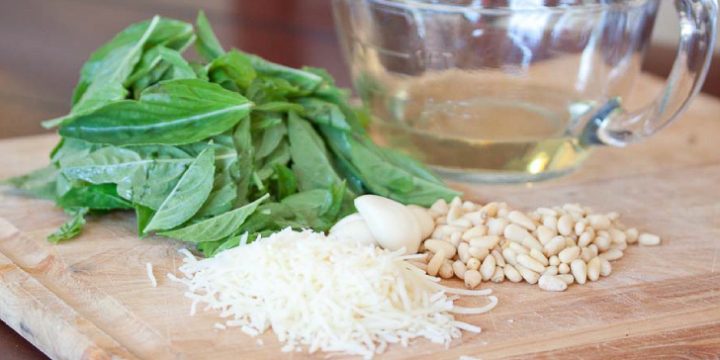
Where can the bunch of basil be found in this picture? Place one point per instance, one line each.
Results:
(206, 152)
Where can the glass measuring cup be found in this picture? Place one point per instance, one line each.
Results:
(514, 90)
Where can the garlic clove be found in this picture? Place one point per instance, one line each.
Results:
(392, 224)
(353, 228)
(424, 220)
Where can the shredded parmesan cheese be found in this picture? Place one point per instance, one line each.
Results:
(326, 294)
(151, 276)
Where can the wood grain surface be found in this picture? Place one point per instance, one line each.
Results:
(90, 298)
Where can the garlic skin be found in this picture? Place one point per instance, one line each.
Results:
(424, 220)
(353, 228)
(393, 225)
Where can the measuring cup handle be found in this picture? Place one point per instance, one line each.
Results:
(698, 29)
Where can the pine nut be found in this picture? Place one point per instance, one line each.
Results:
(566, 278)
(617, 236)
(434, 265)
(476, 217)
(570, 242)
(438, 246)
(454, 214)
(521, 219)
(530, 276)
(586, 237)
(551, 222)
(586, 254)
(515, 233)
(556, 245)
(498, 275)
(487, 269)
(551, 283)
(534, 216)
(613, 216)
(569, 254)
(565, 225)
(599, 222)
(546, 212)
(550, 270)
(632, 235)
(532, 243)
(612, 254)
(480, 253)
(499, 260)
(496, 226)
(464, 224)
(519, 249)
(537, 255)
(456, 202)
(603, 243)
(463, 252)
(510, 256)
(544, 234)
(530, 263)
(580, 227)
(512, 274)
(444, 231)
(564, 268)
(472, 279)
(574, 208)
(620, 246)
(468, 206)
(647, 239)
(579, 271)
(605, 267)
(490, 209)
(487, 241)
(594, 249)
(503, 212)
(473, 264)
(475, 231)
(459, 269)
(593, 269)
(554, 261)
(440, 207)
(454, 239)
(446, 270)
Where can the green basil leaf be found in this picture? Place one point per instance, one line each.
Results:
(325, 113)
(40, 183)
(175, 112)
(232, 66)
(107, 83)
(286, 181)
(217, 227)
(94, 197)
(207, 44)
(280, 106)
(143, 215)
(311, 161)
(188, 195)
(243, 169)
(307, 82)
(71, 228)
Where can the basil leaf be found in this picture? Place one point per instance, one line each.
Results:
(143, 216)
(286, 181)
(307, 82)
(188, 195)
(243, 169)
(40, 183)
(311, 162)
(71, 228)
(175, 112)
(107, 83)
(94, 197)
(324, 113)
(207, 44)
(217, 227)
(232, 66)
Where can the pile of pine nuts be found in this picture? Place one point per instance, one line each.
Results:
(551, 247)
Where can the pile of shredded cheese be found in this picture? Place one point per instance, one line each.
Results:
(326, 294)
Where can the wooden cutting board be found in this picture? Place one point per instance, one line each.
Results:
(90, 298)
